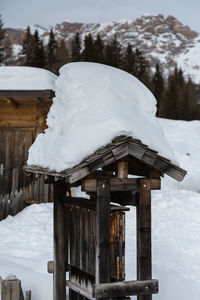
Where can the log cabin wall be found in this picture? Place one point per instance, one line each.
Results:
(21, 120)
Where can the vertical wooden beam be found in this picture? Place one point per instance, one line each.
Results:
(15, 179)
(59, 242)
(122, 169)
(11, 289)
(144, 264)
(102, 274)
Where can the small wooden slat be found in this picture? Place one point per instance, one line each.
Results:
(79, 289)
(176, 173)
(103, 231)
(50, 267)
(135, 150)
(149, 157)
(125, 288)
(120, 151)
(78, 175)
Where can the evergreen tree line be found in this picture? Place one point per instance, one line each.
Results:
(176, 96)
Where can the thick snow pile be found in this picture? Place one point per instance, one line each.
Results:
(26, 78)
(26, 247)
(95, 103)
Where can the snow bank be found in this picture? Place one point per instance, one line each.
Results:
(26, 78)
(26, 247)
(184, 138)
(95, 103)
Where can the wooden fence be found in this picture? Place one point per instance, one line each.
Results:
(11, 290)
(17, 200)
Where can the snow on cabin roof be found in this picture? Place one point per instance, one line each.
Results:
(95, 103)
(26, 78)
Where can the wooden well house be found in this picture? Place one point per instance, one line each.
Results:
(22, 117)
(89, 234)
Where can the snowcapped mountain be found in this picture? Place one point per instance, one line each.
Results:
(163, 39)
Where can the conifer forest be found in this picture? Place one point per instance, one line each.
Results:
(176, 96)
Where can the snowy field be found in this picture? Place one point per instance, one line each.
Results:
(26, 239)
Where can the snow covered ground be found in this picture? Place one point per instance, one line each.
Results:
(26, 239)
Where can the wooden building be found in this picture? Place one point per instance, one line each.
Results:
(89, 233)
(22, 116)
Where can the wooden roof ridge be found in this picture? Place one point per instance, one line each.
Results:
(120, 147)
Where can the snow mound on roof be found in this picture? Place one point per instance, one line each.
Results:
(95, 103)
(26, 78)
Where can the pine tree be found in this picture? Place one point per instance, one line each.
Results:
(158, 88)
(51, 51)
(88, 51)
(113, 55)
(98, 50)
(62, 56)
(38, 52)
(76, 48)
(128, 64)
(8, 52)
(27, 48)
(2, 35)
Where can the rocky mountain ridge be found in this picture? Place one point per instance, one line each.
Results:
(163, 39)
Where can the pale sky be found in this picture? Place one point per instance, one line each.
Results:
(21, 13)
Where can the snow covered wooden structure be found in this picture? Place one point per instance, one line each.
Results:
(84, 248)
(25, 99)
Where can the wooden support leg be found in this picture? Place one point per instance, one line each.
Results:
(59, 242)
(103, 232)
(144, 265)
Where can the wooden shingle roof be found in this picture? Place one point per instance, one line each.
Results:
(119, 148)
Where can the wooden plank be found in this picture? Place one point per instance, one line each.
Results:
(143, 214)
(27, 93)
(175, 172)
(120, 151)
(79, 289)
(59, 242)
(28, 295)
(155, 184)
(103, 231)
(125, 288)
(15, 179)
(136, 150)
(116, 184)
(11, 289)
(78, 174)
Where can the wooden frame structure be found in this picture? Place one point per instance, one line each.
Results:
(104, 176)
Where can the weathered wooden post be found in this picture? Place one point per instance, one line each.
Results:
(11, 289)
(103, 231)
(59, 274)
(143, 214)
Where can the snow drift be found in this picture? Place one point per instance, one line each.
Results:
(95, 103)
(26, 78)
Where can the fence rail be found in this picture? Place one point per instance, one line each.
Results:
(14, 202)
